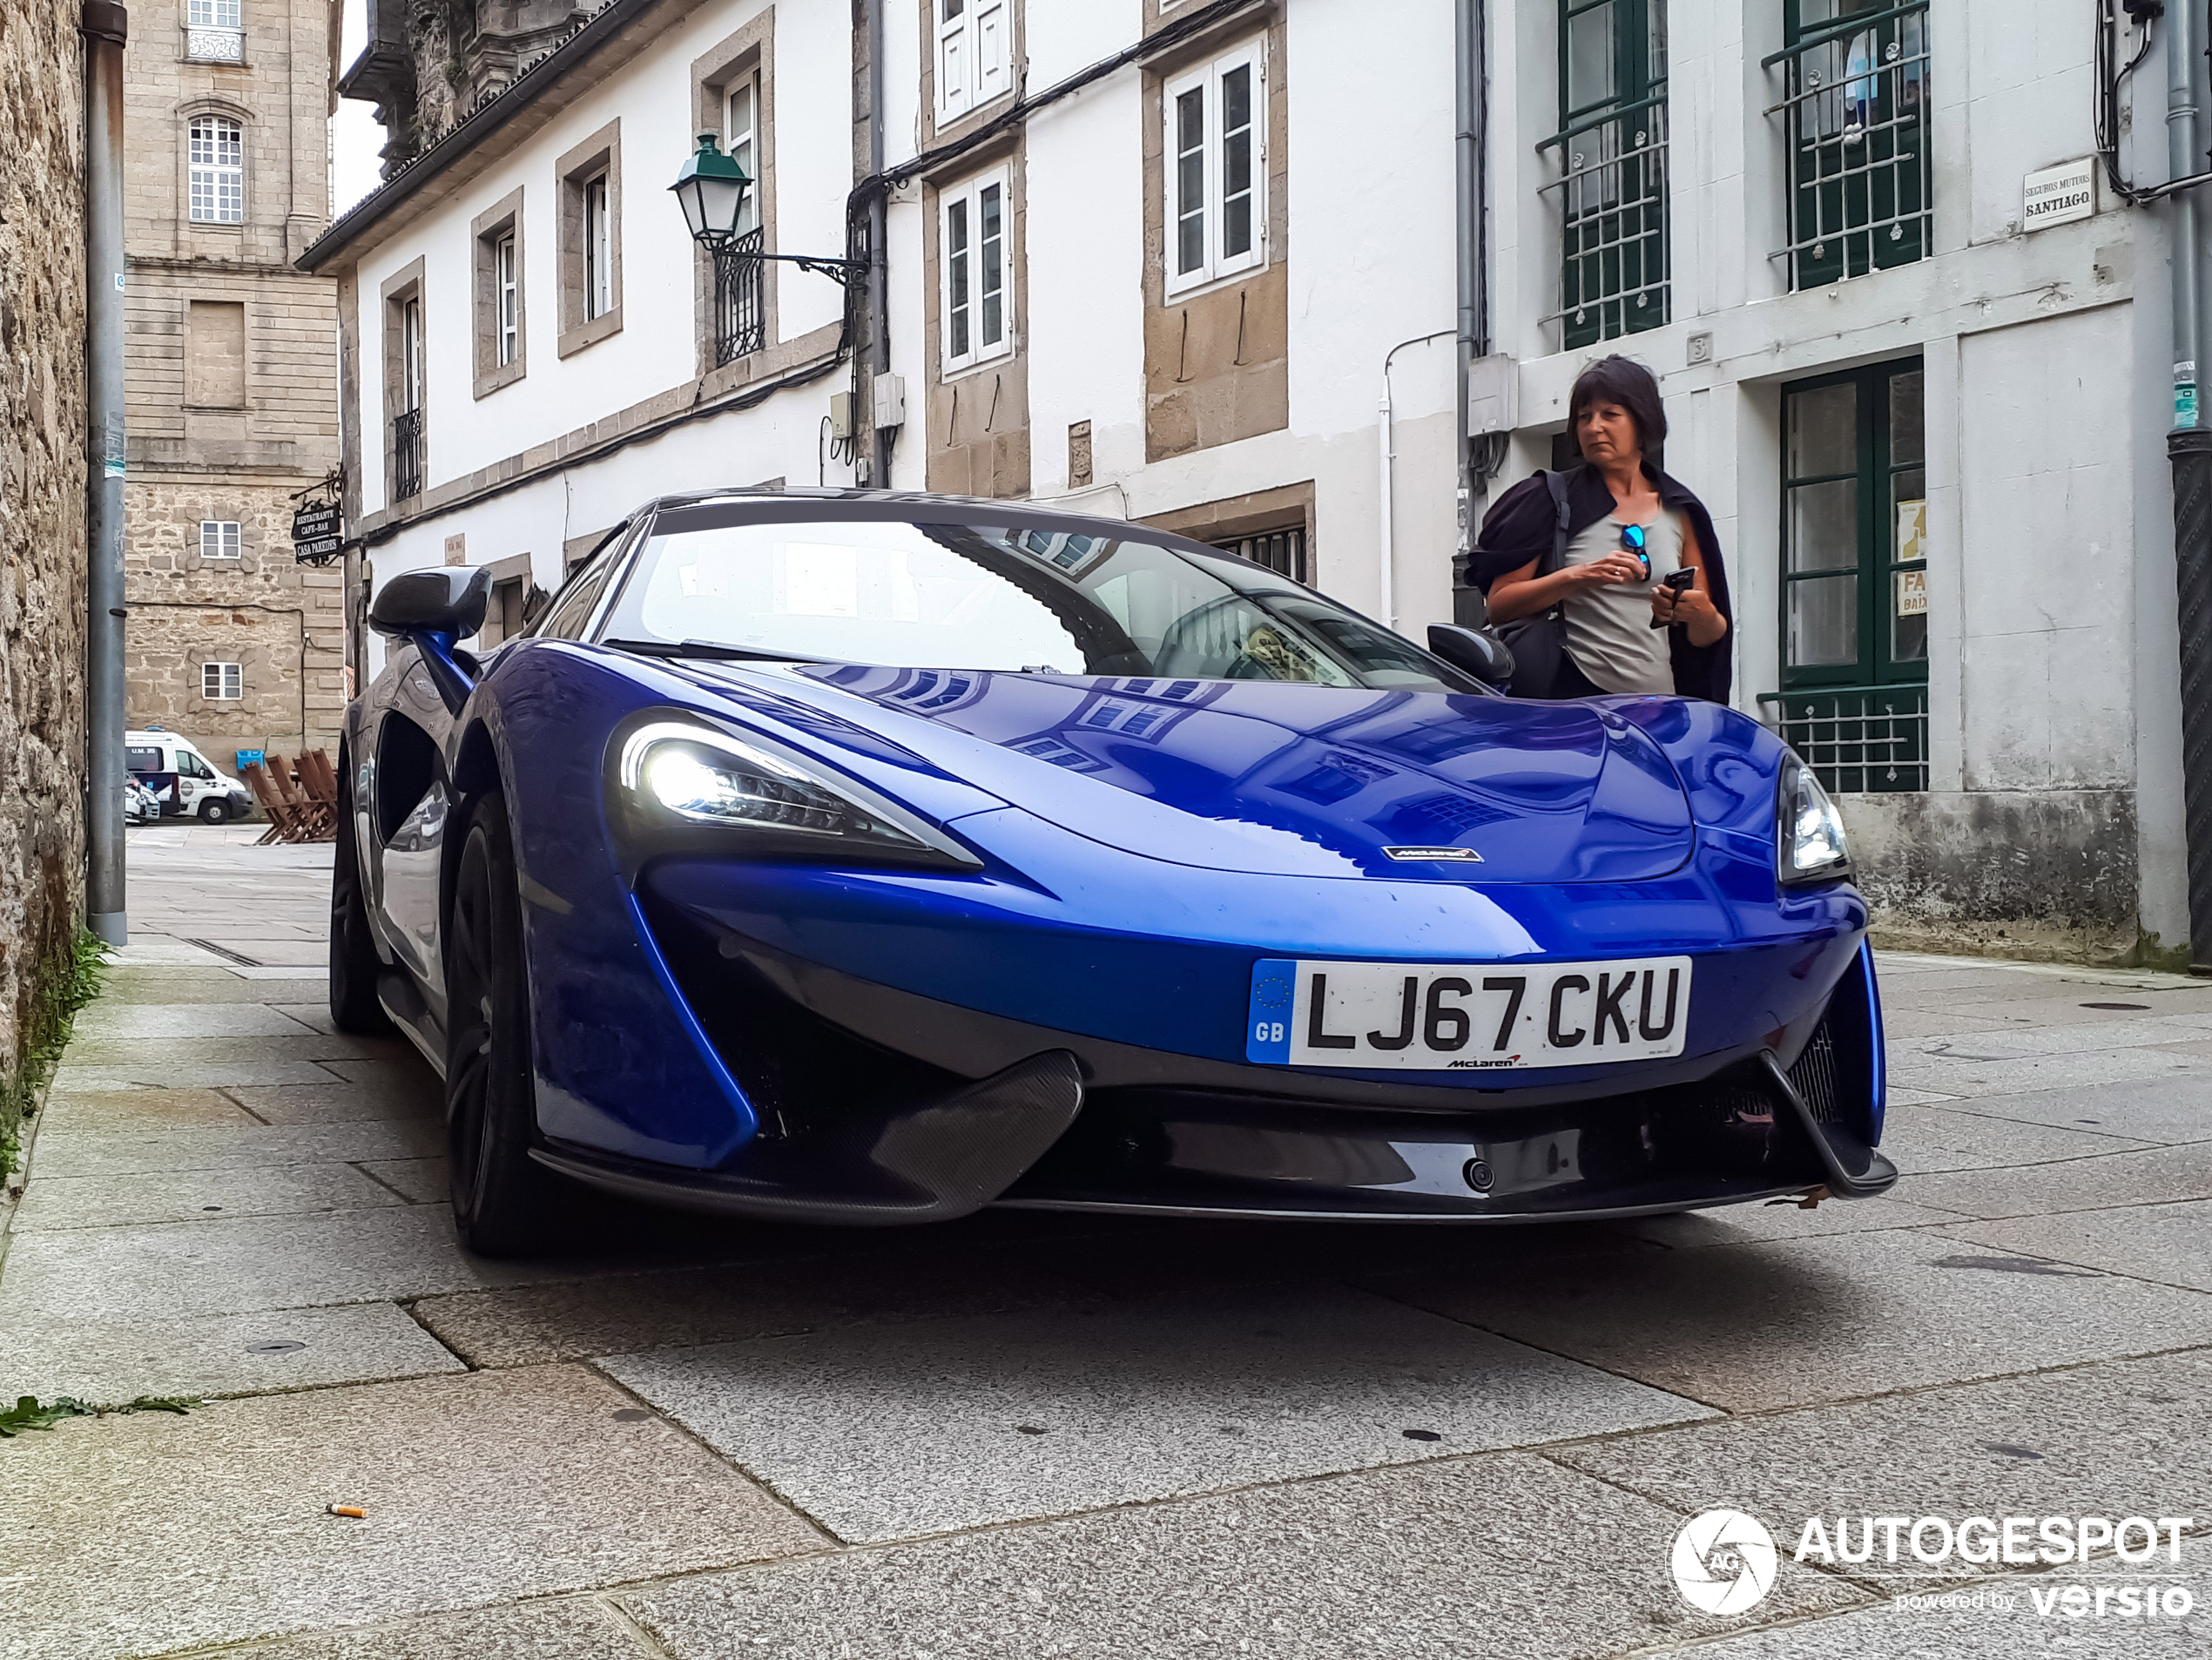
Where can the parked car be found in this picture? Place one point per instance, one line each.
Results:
(871, 859)
(139, 804)
(182, 779)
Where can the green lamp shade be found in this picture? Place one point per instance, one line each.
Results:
(711, 187)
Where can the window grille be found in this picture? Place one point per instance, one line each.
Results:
(224, 682)
(407, 455)
(1615, 262)
(1856, 110)
(1858, 739)
(1281, 552)
(217, 170)
(740, 327)
(219, 539)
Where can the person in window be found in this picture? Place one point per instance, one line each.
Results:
(1629, 525)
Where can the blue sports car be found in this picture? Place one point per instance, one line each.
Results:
(869, 858)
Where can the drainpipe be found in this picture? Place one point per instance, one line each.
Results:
(106, 26)
(1469, 44)
(2188, 445)
(878, 263)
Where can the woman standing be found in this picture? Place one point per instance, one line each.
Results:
(1628, 526)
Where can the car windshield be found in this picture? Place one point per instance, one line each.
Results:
(1004, 596)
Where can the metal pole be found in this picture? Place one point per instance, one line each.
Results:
(879, 265)
(2188, 445)
(106, 26)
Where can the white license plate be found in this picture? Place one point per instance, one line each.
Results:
(1467, 1016)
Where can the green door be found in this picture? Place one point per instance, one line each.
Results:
(1854, 580)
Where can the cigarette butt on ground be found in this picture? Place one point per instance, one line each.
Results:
(347, 1510)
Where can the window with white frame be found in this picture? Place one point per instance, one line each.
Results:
(975, 270)
(505, 301)
(214, 32)
(224, 682)
(219, 539)
(217, 170)
(598, 250)
(1217, 173)
(741, 143)
(973, 50)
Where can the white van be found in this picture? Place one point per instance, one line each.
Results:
(183, 780)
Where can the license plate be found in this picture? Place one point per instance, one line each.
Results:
(1468, 1017)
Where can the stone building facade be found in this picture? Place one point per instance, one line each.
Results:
(42, 503)
(233, 367)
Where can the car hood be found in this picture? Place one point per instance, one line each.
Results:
(1275, 778)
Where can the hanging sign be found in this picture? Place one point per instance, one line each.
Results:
(318, 533)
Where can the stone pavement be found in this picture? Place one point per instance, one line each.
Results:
(1025, 1436)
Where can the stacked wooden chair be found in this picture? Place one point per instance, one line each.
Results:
(302, 799)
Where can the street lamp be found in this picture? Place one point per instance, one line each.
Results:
(711, 187)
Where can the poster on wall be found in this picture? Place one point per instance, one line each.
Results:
(1912, 531)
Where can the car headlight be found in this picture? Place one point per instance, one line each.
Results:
(678, 775)
(1812, 845)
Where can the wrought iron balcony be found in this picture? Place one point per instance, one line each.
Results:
(207, 45)
(407, 455)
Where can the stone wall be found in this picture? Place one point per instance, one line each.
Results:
(41, 500)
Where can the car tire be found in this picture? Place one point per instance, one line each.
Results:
(504, 1204)
(214, 810)
(354, 964)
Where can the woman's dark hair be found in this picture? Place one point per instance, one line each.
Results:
(1622, 381)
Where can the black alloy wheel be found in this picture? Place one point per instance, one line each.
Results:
(354, 964)
(504, 1204)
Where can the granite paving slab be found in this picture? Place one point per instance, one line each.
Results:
(2015, 1076)
(1906, 1022)
(152, 1533)
(528, 1326)
(198, 986)
(113, 1111)
(1474, 1557)
(1791, 1323)
(1926, 1140)
(570, 1628)
(67, 1149)
(150, 1057)
(882, 1431)
(406, 1090)
(419, 1181)
(2122, 1438)
(225, 1355)
(315, 1014)
(2158, 1176)
(109, 1022)
(65, 1202)
(175, 1269)
(2111, 1031)
(2171, 1243)
(2170, 1110)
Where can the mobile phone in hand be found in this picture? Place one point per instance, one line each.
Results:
(1680, 582)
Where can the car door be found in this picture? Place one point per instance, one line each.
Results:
(409, 817)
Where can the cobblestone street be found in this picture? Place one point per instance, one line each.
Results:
(1028, 1435)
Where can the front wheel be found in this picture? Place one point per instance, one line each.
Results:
(214, 810)
(504, 1204)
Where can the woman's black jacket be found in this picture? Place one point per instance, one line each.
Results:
(1520, 530)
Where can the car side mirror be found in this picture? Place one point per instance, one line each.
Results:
(1479, 651)
(442, 600)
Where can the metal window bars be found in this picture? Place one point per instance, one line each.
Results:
(1861, 192)
(407, 455)
(740, 317)
(1281, 552)
(1616, 272)
(1860, 740)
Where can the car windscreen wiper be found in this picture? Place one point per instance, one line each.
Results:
(709, 649)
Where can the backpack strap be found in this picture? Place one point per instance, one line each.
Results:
(1556, 559)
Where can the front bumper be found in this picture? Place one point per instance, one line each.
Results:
(849, 1078)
